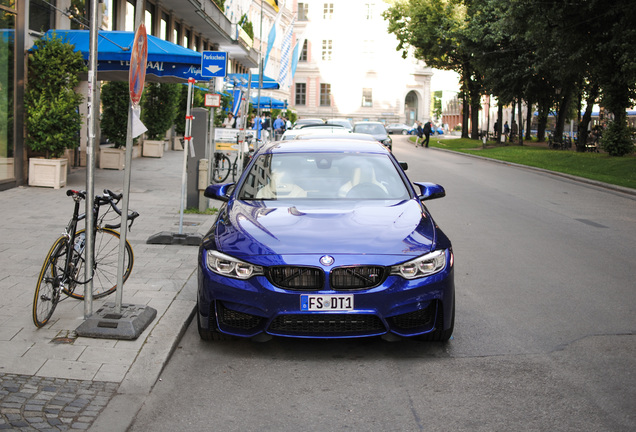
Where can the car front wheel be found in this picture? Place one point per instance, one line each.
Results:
(439, 334)
(213, 334)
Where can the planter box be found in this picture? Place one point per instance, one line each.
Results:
(153, 148)
(47, 172)
(7, 168)
(112, 158)
(176, 143)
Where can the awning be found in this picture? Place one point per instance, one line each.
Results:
(167, 62)
(240, 80)
(268, 102)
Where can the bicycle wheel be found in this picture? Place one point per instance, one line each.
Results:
(221, 169)
(104, 266)
(47, 292)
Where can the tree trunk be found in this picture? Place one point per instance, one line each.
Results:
(465, 113)
(542, 119)
(584, 124)
(529, 122)
(563, 109)
(519, 107)
(499, 120)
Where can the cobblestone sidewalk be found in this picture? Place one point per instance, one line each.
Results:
(32, 403)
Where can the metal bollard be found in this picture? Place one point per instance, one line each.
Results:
(203, 184)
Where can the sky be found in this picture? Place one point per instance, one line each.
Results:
(444, 80)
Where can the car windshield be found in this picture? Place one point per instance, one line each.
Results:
(369, 128)
(347, 176)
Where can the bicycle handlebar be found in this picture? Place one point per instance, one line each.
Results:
(109, 197)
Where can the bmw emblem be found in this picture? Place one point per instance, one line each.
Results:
(326, 260)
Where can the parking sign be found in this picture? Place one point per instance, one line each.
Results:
(213, 64)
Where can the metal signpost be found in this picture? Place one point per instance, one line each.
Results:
(112, 321)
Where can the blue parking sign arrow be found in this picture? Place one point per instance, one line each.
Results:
(213, 64)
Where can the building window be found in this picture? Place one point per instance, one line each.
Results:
(130, 17)
(327, 13)
(108, 15)
(7, 53)
(367, 97)
(325, 94)
(149, 18)
(304, 52)
(301, 94)
(303, 12)
(163, 26)
(41, 16)
(327, 47)
(368, 48)
(176, 33)
(368, 9)
(186, 39)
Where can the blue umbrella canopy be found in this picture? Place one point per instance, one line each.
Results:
(167, 62)
(268, 102)
(240, 80)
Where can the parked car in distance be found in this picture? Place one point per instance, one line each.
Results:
(400, 128)
(376, 129)
(325, 239)
(311, 129)
(301, 122)
(343, 122)
(336, 134)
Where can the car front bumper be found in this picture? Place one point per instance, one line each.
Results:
(249, 308)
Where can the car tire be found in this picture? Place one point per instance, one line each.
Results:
(212, 334)
(439, 334)
(404, 132)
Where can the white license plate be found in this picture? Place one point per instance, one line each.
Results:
(326, 302)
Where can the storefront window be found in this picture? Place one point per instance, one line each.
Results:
(7, 50)
(41, 15)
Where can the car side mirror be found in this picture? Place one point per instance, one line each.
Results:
(429, 191)
(220, 192)
(404, 165)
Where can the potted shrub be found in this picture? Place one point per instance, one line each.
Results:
(53, 120)
(159, 109)
(115, 98)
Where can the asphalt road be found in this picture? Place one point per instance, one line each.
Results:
(544, 332)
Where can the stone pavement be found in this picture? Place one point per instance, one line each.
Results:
(50, 379)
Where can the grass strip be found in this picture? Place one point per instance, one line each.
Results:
(619, 171)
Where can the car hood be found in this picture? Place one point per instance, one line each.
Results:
(248, 228)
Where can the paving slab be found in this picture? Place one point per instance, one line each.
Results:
(51, 379)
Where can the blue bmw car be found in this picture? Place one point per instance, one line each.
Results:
(325, 239)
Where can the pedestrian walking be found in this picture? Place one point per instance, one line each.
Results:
(279, 127)
(420, 133)
(427, 133)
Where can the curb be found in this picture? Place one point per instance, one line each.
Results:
(122, 409)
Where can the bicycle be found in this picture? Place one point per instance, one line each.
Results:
(223, 166)
(63, 269)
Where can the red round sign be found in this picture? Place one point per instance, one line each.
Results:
(138, 58)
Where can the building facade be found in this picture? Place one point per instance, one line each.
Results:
(349, 66)
(199, 26)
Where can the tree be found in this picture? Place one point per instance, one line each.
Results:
(436, 32)
(159, 108)
(115, 97)
(53, 120)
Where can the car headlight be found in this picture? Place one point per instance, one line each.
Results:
(425, 265)
(226, 265)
